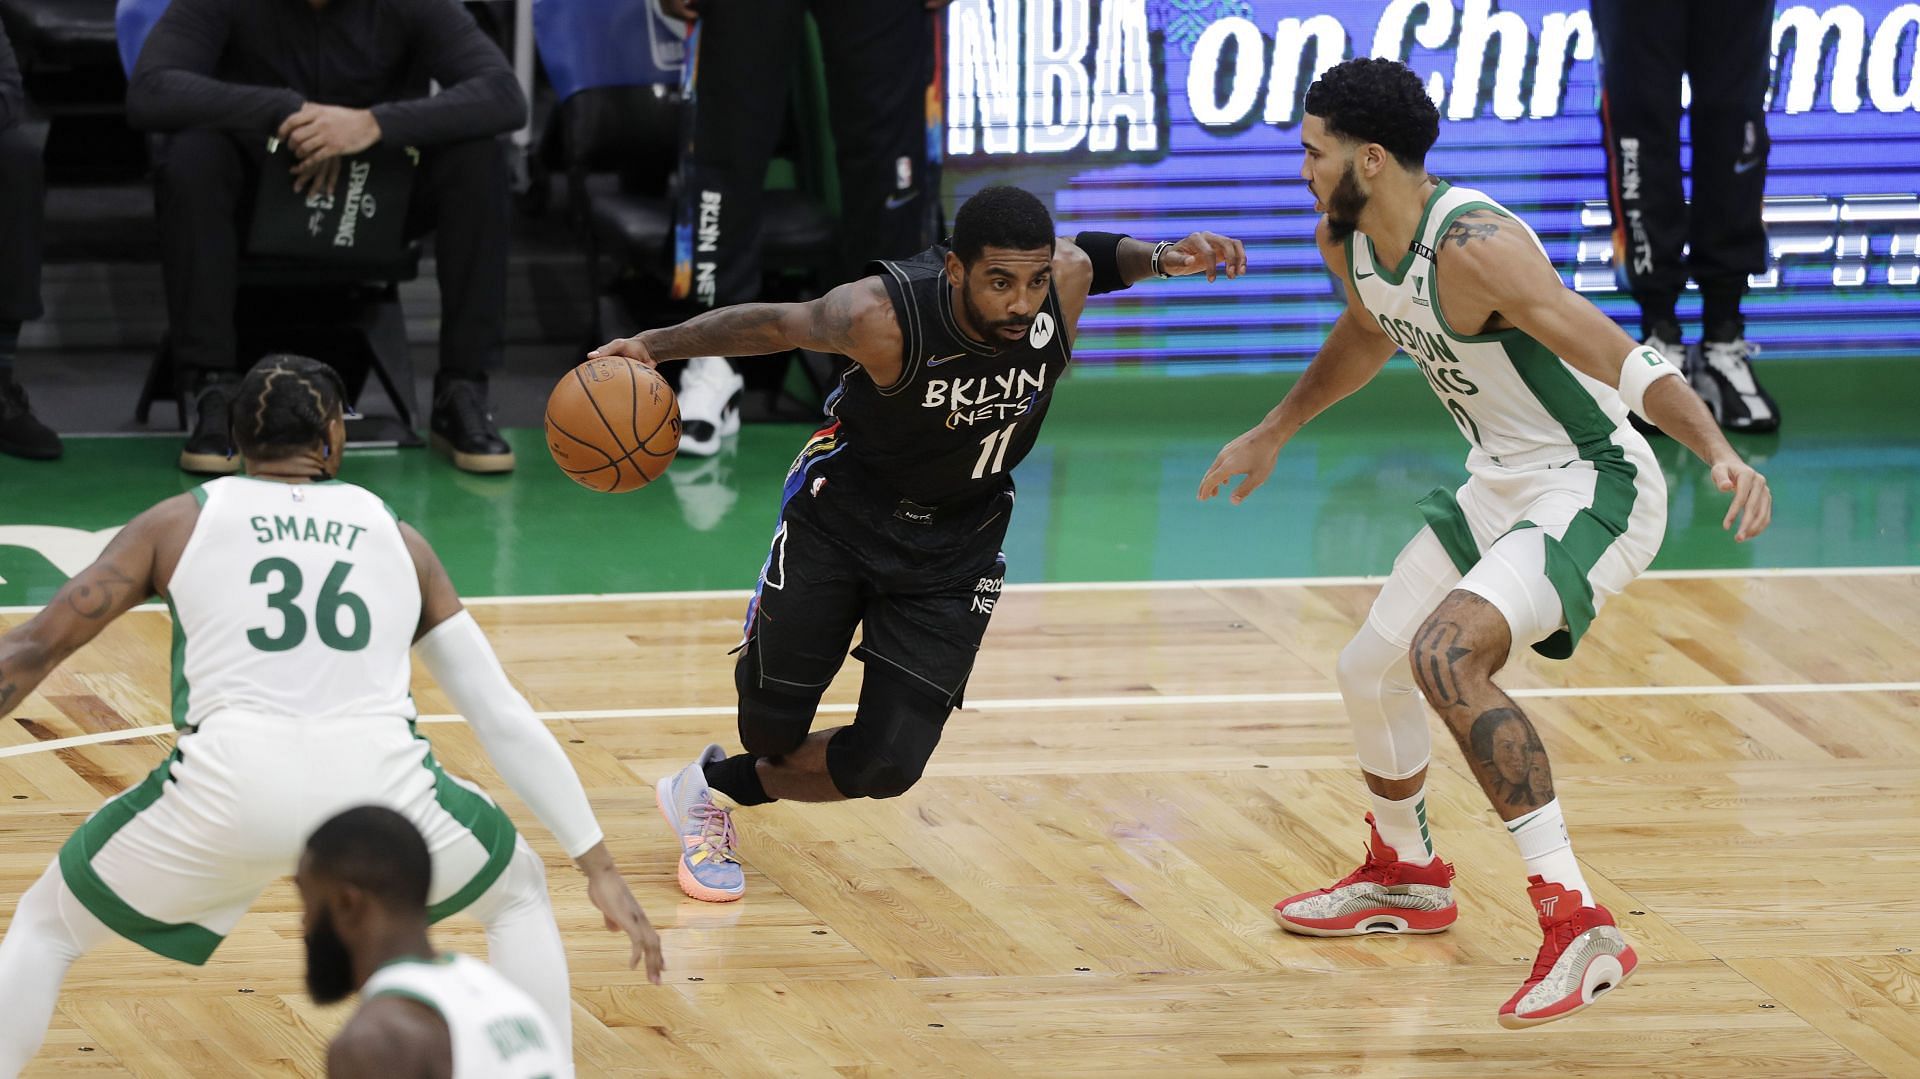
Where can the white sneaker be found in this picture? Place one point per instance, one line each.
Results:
(1674, 351)
(710, 391)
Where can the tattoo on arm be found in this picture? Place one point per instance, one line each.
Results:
(748, 329)
(1473, 225)
(1437, 652)
(832, 321)
(94, 599)
(7, 693)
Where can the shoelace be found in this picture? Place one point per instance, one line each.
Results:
(1720, 353)
(1552, 948)
(1372, 869)
(716, 830)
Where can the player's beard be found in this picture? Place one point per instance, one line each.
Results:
(329, 964)
(989, 329)
(1344, 205)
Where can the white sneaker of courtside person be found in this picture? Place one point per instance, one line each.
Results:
(710, 391)
(708, 869)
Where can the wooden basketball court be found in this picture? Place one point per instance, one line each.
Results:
(1082, 883)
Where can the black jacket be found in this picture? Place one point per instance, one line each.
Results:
(246, 65)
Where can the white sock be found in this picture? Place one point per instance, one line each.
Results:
(1542, 838)
(1403, 825)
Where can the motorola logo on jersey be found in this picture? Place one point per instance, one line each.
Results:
(988, 399)
(1042, 330)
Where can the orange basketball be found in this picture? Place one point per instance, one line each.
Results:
(613, 424)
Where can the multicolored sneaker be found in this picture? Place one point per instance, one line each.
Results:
(1583, 957)
(1384, 895)
(709, 870)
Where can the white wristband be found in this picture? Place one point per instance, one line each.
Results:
(1642, 368)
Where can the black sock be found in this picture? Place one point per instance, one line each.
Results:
(9, 344)
(737, 778)
(1720, 311)
(1657, 318)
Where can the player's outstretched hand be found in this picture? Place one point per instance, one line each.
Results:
(1208, 253)
(1752, 501)
(630, 347)
(1251, 455)
(608, 892)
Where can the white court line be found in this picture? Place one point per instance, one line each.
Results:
(1034, 704)
(1137, 586)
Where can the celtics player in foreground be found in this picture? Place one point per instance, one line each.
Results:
(363, 883)
(893, 514)
(296, 599)
(1563, 506)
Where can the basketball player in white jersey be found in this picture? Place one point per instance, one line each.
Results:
(296, 599)
(1563, 506)
(423, 1014)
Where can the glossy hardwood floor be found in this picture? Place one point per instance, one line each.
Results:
(1082, 883)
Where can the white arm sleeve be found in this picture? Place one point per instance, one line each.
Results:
(1642, 368)
(521, 748)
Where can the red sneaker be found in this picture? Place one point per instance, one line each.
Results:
(1583, 957)
(1384, 895)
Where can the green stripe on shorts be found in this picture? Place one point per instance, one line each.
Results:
(488, 823)
(186, 942)
(1449, 524)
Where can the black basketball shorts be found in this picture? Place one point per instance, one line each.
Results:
(920, 582)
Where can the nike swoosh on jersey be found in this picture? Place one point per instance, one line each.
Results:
(1741, 168)
(1361, 276)
(894, 202)
(931, 362)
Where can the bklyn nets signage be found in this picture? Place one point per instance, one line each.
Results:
(1052, 76)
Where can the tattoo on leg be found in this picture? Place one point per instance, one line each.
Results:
(1512, 763)
(1437, 651)
(93, 598)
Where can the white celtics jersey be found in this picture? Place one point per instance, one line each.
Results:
(1511, 396)
(497, 1030)
(292, 599)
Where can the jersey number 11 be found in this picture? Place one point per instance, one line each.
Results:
(993, 449)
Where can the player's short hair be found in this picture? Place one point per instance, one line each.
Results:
(376, 850)
(1000, 216)
(1381, 101)
(284, 406)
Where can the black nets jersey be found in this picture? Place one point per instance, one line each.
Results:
(962, 414)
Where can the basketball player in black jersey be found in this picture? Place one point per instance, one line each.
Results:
(893, 513)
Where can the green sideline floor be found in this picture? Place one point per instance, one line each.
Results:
(1107, 496)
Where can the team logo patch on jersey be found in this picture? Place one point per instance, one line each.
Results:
(1042, 330)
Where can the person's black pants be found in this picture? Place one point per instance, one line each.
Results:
(23, 196)
(461, 194)
(878, 61)
(1722, 46)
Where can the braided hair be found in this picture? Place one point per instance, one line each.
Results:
(284, 406)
